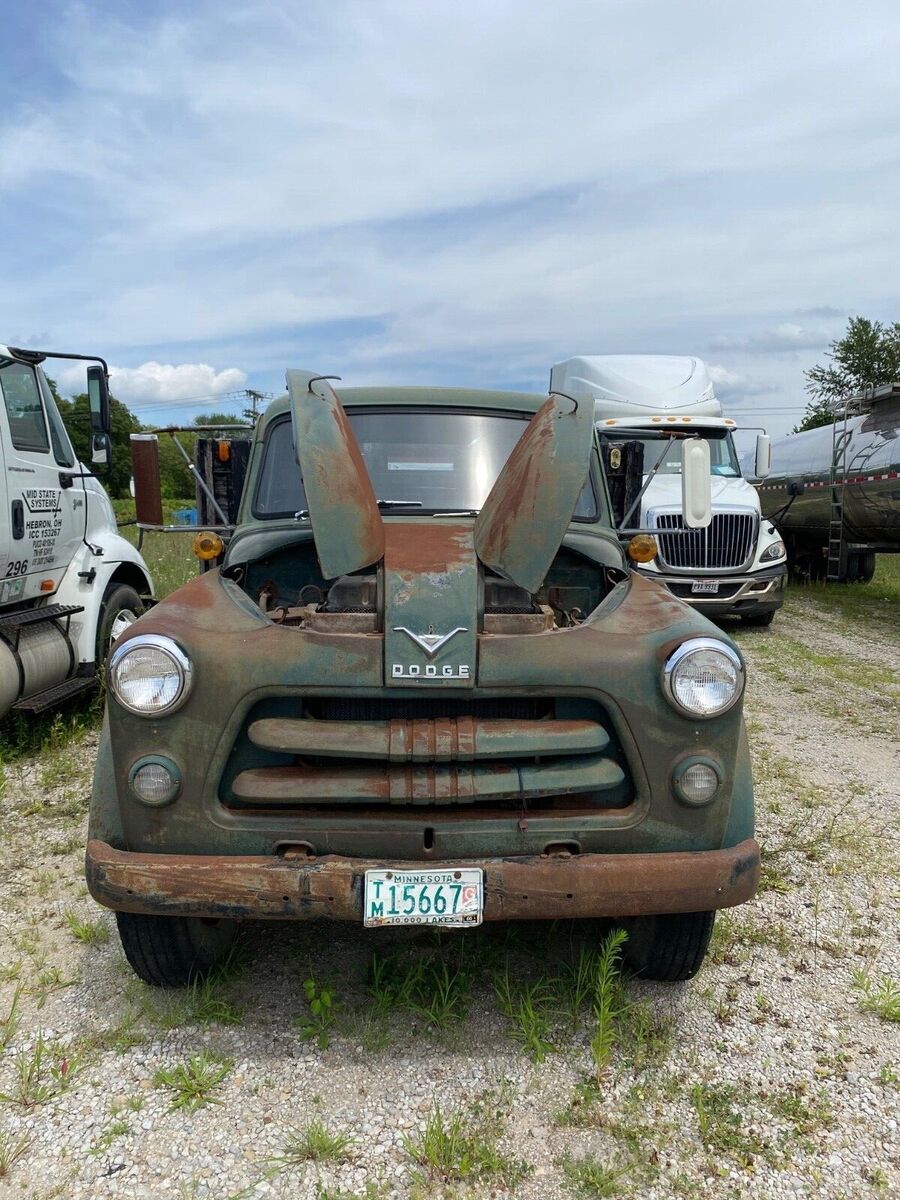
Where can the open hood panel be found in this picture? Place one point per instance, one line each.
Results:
(528, 510)
(346, 523)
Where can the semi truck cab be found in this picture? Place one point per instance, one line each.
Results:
(738, 564)
(421, 686)
(69, 583)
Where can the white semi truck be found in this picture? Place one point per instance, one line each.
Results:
(737, 564)
(69, 582)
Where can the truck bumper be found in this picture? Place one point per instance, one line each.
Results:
(760, 592)
(530, 888)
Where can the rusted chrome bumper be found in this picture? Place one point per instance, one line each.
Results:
(543, 886)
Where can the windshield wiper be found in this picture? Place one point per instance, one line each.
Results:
(303, 514)
(458, 512)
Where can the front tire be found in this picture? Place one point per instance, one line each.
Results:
(174, 951)
(121, 607)
(670, 947)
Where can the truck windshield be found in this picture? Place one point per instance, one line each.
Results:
(722, 458)
(441, 460)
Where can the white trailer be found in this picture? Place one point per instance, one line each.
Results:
(69, 582)
(737, 564)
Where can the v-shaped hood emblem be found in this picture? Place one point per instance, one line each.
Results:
(430, 642)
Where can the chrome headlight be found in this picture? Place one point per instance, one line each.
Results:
(773, 552)
(150, 675)
(703, 678)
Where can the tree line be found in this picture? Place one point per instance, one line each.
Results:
(175, 479)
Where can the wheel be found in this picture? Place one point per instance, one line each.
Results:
(121, 607)
(670, 947)
(758, 620)
(173, 951)
(864, 566)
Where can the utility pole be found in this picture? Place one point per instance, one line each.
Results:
(255, 399)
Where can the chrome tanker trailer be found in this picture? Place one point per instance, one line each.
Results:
(834, 492)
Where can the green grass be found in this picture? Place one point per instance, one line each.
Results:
(12, 1147)
(435, 986)
(10, 1022)
(41, 1073)
(876, 601)
(590, 1178)
(315, 1143)
(881, 998)
(89, 933)
(194, 1082)
(528, 1010)
(723, 1124)
(461, 1148)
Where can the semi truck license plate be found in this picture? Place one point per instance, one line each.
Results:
(424, 897)
(709, 587)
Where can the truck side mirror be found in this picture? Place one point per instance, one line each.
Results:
(696, 486)
(101, 450)
(98, 398)
(763, 464)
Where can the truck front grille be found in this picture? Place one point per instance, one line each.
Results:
(726, 543)
(364, 755)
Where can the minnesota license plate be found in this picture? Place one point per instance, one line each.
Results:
(705, 587)
(424, 897)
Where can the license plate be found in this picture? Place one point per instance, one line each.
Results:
(705, 587)
(424, 897)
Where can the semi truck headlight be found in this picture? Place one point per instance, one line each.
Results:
(150, 675)
(773, 552)
(703, 678)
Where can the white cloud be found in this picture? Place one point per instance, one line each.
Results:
(154, 382)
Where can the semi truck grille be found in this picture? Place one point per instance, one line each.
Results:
(364, 755)
(727, 542)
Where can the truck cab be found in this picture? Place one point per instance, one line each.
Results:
(738, 564)
(421, 687)
(69, 583)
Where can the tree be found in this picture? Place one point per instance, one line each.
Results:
(218, 418)
(76, 415)
(867, 355)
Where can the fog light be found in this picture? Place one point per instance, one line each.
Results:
(155, 781)
(208, 546)
(696, 782)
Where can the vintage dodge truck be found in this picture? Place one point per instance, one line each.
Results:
(422, 687)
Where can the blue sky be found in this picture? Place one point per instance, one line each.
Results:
(447, 193)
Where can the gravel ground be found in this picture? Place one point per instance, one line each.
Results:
(772, 1074)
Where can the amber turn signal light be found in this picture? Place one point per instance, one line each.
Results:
(642, 548)
(208, 546)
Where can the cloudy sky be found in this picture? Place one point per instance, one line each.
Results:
(446, 192)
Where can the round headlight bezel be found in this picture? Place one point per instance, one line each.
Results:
(678, 656)
(164, 645)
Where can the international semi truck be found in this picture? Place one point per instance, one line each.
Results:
(737, 565)
(70, 584)
(420, 685)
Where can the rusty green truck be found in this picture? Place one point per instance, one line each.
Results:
(422, 686)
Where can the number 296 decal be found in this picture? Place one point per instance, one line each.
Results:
(16, 568)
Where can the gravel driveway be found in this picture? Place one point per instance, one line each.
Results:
(464, 1066)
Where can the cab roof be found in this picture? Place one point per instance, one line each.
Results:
(418, 397)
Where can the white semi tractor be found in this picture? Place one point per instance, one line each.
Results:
(69, 582)
(737, 564)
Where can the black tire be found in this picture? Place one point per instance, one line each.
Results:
(174, 951)
(758, 620)
(669, 948)
(118, 599)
